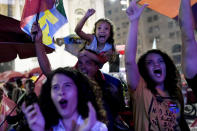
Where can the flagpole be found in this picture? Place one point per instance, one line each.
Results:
(35, 32)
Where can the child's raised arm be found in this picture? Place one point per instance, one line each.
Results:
(132, 72)
(78, 28)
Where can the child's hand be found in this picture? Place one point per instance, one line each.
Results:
(133, 11)
(88, 122)
(90, 12)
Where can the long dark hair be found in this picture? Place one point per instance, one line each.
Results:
(86, 92)
(110, 40)
(172, 82)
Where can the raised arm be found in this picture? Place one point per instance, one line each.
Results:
(189, 45)
(133, 13)
(40, 50)
(78, 28)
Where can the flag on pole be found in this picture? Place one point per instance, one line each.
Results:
(51, 17)
(168, 8)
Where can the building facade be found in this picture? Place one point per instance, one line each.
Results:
(164, 30)
(153, 26)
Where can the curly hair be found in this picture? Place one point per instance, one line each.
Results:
(172, 82)
(1, 94)
(87, 91)
(110, 40)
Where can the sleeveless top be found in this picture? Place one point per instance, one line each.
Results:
(93, 46)
(98, 126)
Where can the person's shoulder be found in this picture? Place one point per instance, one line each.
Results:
(108, 76)
(94, 40)
(16, 90)
(111, 79)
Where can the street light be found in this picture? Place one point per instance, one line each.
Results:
(112, 0)
(124, 4)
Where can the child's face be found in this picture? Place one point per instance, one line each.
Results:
(102, 31)
(64, 95)
(156, 67)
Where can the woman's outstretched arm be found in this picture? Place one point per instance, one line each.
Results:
(189, 44)
(133, 13)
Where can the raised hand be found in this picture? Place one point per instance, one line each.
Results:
(90, 12)
(36, 32)
(34, 117)
(88, 122)
(133, 11)
(91, 120)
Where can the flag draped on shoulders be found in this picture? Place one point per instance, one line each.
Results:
(51, 16)
(73, 43)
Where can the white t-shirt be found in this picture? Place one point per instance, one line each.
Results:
(99, 126)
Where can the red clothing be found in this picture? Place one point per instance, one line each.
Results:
(6, 107)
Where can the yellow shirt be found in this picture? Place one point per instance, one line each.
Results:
(153, 113)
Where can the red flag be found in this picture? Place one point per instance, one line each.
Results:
(33, 7)
(120, 49)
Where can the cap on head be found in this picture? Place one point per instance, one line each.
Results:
(90, 54)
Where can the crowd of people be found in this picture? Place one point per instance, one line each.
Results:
(82, 98)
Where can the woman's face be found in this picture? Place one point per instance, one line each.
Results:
(156, 67)
(102, 31)
(64, 95)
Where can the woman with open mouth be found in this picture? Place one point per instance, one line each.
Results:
(69, 101)
(154, 82)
